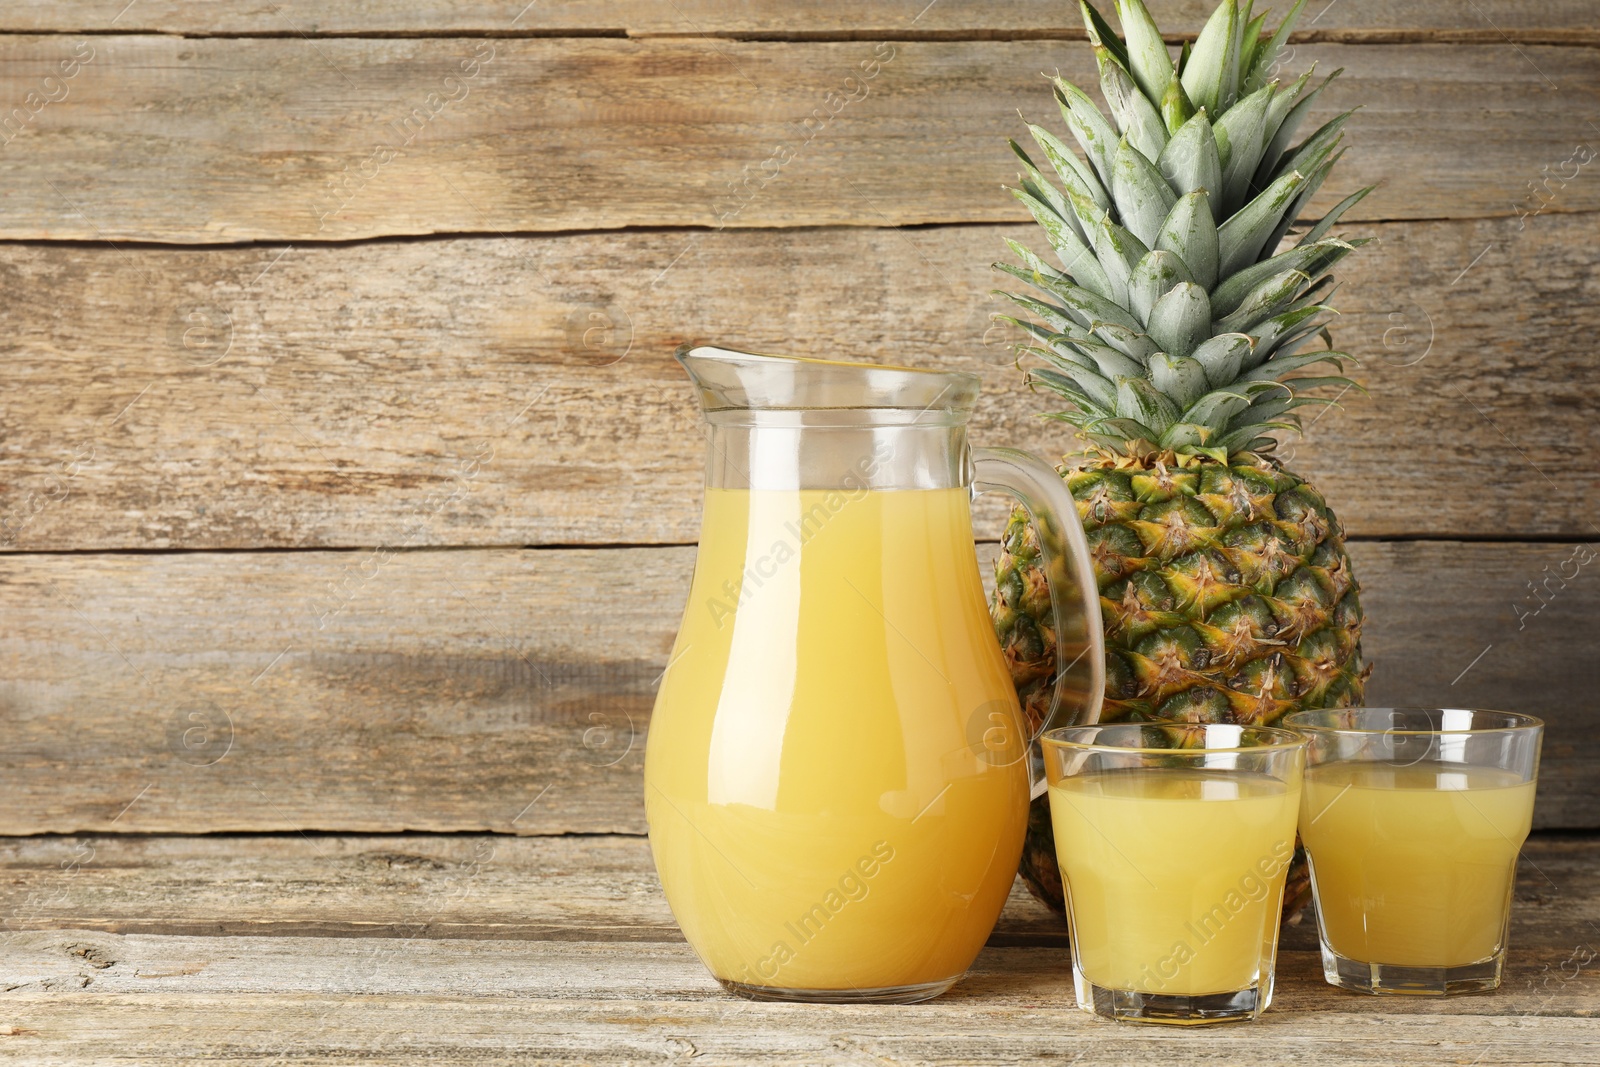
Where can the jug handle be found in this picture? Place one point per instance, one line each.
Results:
(1041, 492)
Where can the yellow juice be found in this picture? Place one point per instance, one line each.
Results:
(1174, 876)
(833, 779)
(1413, 865)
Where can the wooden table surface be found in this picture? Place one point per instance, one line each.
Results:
(409, 948)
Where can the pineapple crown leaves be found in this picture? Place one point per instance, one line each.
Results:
(1173, 325)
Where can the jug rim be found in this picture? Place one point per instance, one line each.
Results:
(732, 380)
(691, 349)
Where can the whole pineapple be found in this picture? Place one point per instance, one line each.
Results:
(1173, 331)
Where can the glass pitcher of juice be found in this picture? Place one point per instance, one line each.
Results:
(838, 773)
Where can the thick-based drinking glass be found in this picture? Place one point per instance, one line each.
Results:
(1413, 818)
(1174, 841)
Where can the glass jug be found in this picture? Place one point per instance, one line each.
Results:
(838, 773)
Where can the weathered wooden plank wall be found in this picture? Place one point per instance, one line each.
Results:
(1406, 20)
(220, 140)
(212, 451)
(496, 689)
(495, 391)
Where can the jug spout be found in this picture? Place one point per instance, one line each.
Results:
(730, 382)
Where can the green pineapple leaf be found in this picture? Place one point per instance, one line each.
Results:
(1185, 437)
(1109, 362)
(1267, 52)
(1301, 199)
(1272, 297)
(1241, 238)
(1142, 196)
(1040, 188)
(1312, 152)
(1191, 162)
(1089, 128)
(1152, 278)
(1076, 257)
(1137, 399)
(1243, 127)
(1209, 76)
(1148, 59)
(1043, 333)
(1181, 320)
(1176, 107)
(1315, 234)
(1085, 305)
(1119, 431)
(1077, 176)
(1118, 251)
(1300, 385)
(1280, 365)
(1131, 343)
(1272, 158)
(1055, 316)
(1249, 41)
(1216, 408)
(1280, 330)
(1034, 264)
(1077, 388)
(1190, 232)
(1101, 35)
(1278, 109)
(1309, 259)
(1221, 357)
(1179, 377)
(1139, 120)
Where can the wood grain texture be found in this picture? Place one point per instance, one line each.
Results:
(600, 888)
(333, 691)
(412, 886)
(226, 140)
(522, 391)
(79, 991)
(511, 690)
(1565, 20)
(322, 1029)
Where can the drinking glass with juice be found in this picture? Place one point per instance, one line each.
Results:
(1413, 818)
(1174, 842)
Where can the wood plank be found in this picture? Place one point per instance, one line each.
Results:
(322, 1029)
(226, 140)
(423, 690)
(418, 887)
(522, 391)
(1564, 20)
(78, 993)
(409, 886)
(73, 963)
(510, 690)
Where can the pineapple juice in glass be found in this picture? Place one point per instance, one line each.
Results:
(1174, 841)
(1413, 818)
(837, 775)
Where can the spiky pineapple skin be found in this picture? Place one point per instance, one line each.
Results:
(1227, 597)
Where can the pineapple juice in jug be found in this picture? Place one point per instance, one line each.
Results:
(837, 793)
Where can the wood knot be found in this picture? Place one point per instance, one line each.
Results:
(93, 955)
